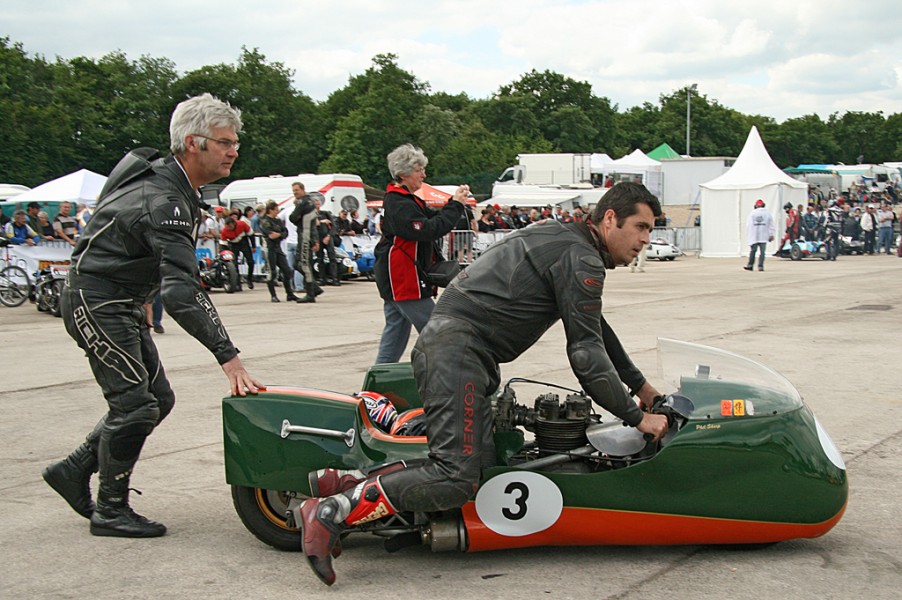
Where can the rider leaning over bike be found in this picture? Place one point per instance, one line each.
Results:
(547, 272)
(140, 239)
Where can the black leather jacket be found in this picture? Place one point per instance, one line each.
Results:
(141, 238)
(523, 284)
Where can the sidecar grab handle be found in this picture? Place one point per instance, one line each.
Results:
(348, 436)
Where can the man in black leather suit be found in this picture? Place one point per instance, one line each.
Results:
(538, 275)
(141, 238)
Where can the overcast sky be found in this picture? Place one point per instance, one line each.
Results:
(780, 58)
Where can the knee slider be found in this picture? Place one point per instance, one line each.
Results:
(166, 402)
(581, 361)
(126, 443)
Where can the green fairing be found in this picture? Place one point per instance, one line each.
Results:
(759, 469)
(257, 456)
(717, 466)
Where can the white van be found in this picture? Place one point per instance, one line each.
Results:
(338, 191)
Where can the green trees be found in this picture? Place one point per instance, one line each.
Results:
(60, 116)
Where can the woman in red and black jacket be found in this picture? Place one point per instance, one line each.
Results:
(409, 232)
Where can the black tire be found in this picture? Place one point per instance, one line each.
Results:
(795, 253)
(40, 297)
(14, 286)
(231, 283)
(670, 258)
(56, 293)
(263, 513)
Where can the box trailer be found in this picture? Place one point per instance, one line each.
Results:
(336, 190)
(557, 169)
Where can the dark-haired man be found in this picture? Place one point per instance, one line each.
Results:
(538, 275)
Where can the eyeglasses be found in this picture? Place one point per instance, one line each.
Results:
(224, 143)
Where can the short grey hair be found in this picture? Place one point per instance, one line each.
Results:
(198, 116)
(403, 160)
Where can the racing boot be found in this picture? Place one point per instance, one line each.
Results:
(333, 275)
(272, 291)
(71, 477)
(113, 517)
(328, 482)
(310, 297)
(289, 293)
(117, 519)
(322, 520)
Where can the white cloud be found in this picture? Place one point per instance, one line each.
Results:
(774, 57)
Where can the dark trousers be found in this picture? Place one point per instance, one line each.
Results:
(114, 336)
(329, 250)
(869, 239)
(244, 248)
(455, 378)
(279, 264)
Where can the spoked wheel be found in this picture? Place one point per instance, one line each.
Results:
(263, 513)
(14, 286)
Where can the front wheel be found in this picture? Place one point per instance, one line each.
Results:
(231, 278)
(263, 512)
(14, 286)
(795, 252)
(54, 300)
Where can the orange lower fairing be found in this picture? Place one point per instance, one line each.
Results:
(600, 527)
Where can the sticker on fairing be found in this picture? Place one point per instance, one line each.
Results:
(519, 503)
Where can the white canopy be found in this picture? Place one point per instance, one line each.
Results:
(81, 186)
(638, 163)
(599, 161)
(635, 162)
(727, 200)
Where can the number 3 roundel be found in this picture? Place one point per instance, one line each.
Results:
(519, 503)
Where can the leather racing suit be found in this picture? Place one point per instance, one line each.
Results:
(304, 218)
(493, 312)
(141, 238)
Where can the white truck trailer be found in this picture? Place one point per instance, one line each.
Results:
(337, 190)
(555, 169)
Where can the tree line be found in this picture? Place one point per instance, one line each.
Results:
(63, 115)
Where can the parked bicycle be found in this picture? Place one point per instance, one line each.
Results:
(14, 282)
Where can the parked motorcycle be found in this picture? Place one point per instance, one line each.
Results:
(48, 287)
(744, 462)
(220, 272)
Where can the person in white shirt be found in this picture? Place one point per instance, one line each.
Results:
(759, 230)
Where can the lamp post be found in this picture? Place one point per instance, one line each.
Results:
(692, 88)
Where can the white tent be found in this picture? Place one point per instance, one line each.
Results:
(727, 200)
(599, 161)
(81, 186)
(638, 163)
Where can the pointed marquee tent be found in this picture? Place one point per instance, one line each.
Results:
(81, 186)
(727, 200)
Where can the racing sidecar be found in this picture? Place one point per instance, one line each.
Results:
(744, 462)
(801, 248)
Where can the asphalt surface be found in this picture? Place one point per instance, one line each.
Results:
(832, 328)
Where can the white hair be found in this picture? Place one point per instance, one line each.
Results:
(403, 160)
(198, 116)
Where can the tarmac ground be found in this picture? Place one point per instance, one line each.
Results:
(832, 328)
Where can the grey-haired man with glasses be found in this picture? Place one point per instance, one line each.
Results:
(141, 240)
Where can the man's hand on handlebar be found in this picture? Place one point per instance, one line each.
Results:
(647, 395)
(653, 425)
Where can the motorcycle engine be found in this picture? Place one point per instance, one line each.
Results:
(561, 426)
